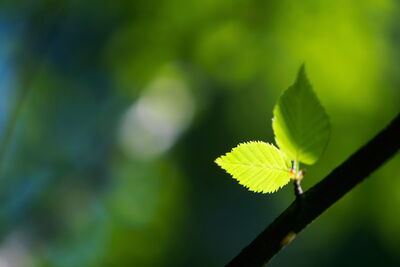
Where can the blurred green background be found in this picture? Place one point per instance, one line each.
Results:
(112, 113)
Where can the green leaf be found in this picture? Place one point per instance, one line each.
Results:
(300, 123)
(259, 166)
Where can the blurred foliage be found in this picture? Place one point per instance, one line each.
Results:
(89, 87)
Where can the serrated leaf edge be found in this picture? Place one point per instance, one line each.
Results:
(239, 181)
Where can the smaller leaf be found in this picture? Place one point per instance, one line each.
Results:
(259, 166)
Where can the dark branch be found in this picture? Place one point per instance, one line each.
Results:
(320, 197)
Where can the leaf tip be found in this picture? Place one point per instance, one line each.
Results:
(302, 75)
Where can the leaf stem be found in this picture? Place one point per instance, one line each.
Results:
(296, 166)
(297, 181)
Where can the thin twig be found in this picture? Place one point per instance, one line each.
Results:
(297, 188)
(320, 197)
